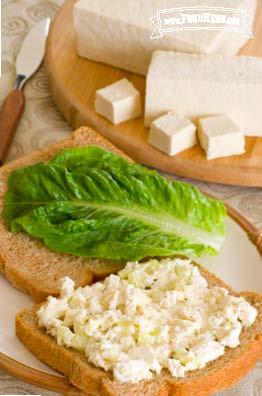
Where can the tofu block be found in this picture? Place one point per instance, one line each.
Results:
(117, 32)
(118, 102)
(197, 86)
(172, 133)
(220, 137)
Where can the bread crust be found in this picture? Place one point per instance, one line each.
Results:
(25, 261)
(217, 375)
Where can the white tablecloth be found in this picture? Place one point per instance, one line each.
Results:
(42, 124)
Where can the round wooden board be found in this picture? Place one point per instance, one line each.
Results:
(73, 82)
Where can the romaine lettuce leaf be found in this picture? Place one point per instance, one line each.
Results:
(89, 202)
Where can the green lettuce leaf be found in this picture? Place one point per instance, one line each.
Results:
(92, 203)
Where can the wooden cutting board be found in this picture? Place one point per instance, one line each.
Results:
(73, 82)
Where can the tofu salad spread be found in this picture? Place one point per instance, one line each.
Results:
(150, 316)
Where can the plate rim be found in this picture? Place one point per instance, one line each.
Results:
(62, 385)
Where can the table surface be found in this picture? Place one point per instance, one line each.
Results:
(42, 125)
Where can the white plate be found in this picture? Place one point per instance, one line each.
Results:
(238, 264)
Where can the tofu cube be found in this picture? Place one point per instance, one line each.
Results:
(118, 102)
(220, 136)
(172, 133)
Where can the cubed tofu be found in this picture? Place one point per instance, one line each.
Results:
(172, 133)
(118, 102)
(220, 137)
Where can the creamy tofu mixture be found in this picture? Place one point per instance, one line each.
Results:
(150, 316)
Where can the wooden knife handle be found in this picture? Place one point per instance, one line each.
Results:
(10, 115)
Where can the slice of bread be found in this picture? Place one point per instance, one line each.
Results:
(25, 261)
(218, 374)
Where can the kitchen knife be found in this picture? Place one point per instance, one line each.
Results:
(27, 62)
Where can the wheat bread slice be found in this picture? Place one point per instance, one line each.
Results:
(217, 375)
(25, 261)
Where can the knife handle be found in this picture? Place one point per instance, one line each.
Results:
(10, 115)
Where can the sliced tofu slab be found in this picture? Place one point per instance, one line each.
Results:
(197, 85)
(118, 32)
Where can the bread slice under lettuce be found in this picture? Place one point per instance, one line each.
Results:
(25, 261)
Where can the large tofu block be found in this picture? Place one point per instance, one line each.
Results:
(198, 85)
(117, 32)
(118, 102)
(220, 137)
(172, 133)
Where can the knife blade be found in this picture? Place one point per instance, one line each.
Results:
(27, 62)
(32, 51)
